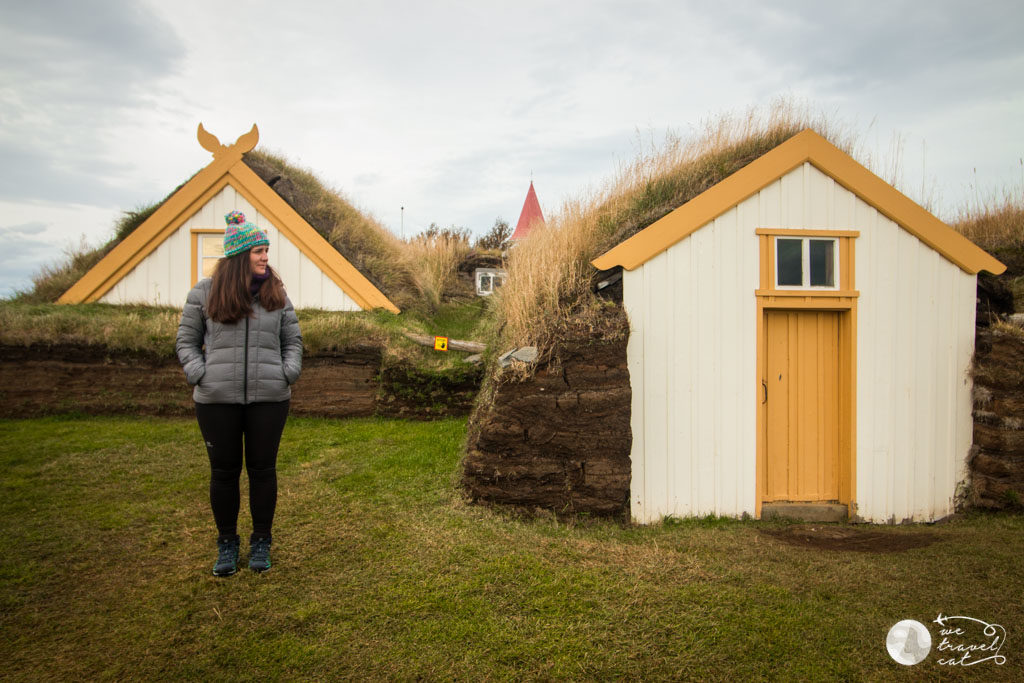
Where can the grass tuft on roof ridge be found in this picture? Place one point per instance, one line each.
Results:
(994, 224)
(361, 239)
(550, 275)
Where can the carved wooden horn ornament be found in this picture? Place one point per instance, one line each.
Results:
(212, 144)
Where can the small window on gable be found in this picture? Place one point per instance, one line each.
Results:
(211, 249)
(488, 280)
(806, 262)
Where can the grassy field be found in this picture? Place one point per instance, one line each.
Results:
(151, 329)
(382, 571)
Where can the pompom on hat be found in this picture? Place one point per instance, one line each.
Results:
(240, 235)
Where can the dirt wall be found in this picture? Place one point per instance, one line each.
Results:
(36, 380)
(414, 393)
(45, 380)
(997, 462)
(561, 439)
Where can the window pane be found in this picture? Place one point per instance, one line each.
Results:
(209, 265)
(788, 264)
(213, 246)
(822, 263)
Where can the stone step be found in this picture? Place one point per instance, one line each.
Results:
(805, 512)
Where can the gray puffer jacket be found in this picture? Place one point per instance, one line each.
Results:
(256, 359)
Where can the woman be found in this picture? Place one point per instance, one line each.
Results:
(240, 346)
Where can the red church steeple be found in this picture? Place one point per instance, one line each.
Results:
(529, 217)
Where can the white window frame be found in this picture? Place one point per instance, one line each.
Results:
(202, 257)
(493, 274)
(805, 262)
(197, 238)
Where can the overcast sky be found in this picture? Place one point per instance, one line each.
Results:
(449, 108)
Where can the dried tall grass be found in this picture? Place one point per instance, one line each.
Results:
(53, 279)
(994, 223)
(550, 272)
(121, 328)
(432, 261)
(152, 329)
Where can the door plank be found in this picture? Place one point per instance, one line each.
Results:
(802, 410)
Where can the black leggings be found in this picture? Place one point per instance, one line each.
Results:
(223, 426)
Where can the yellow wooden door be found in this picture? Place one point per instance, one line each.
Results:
(801, 395)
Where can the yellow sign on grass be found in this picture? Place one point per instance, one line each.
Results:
(440, 343)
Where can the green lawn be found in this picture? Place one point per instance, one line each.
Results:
(382, 571)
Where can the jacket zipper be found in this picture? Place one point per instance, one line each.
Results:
(245, 366)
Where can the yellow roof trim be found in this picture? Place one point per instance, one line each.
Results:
(805, 146)
(102, 277)
(226, 168)
(308, 240)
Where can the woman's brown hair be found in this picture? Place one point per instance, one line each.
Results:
(230, 298)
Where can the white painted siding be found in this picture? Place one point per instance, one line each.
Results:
(692, 356)
(162, 278)
(915, 333)
(159, 278)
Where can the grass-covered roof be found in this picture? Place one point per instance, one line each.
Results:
(361, 239)
(550, 274)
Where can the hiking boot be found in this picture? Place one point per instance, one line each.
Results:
(227, 556)
(259, 554)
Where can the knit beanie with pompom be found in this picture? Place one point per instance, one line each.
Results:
(240, 235)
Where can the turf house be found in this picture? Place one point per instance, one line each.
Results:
(159, 261)
(793, 338)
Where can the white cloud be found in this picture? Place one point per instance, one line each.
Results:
(70, 74)
(37, 234)
(447, 108)
(30, 228)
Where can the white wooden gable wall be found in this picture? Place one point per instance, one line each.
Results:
(162, 278)
(915, 340)
(692, 359)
